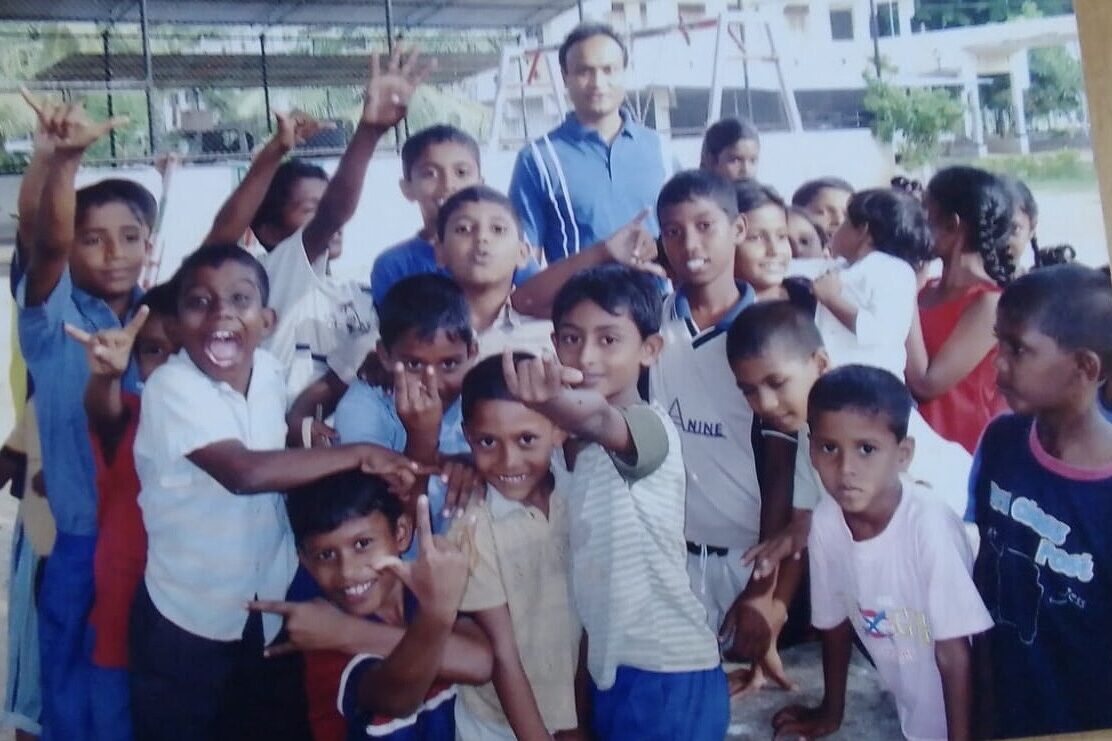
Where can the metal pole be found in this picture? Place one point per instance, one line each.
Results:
(874, 29)
(148, 74)
(266, 83)
(389, 7)
(108, 95)
(579, 7)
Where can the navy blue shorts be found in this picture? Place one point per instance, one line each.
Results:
(662, 706)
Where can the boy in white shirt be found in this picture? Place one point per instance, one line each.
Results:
(210, 458)
(865, 309)
(887, 563)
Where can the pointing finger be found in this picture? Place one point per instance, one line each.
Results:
(78, 334)
(424, 525)
(35, 103)
(280, 649)
(275, 607)
(131, 329)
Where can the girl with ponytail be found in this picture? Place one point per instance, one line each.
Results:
(1025, 220)
(951, 348)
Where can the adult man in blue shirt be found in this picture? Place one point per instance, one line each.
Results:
(586, 190)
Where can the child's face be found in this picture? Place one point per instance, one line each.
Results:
(776, 384)
(850, 242)
(828, 208)
(859, 460)
(341, 561)
(481, 246)
(449, 357)
(700, 240)
(738, 162)
(1032, 371)
(763, 255)
(442, 170)
(511, 445)
(804, 238)
(608, 349)
(1023, 229)
(154, 344)
(111, 245)
(221, 320)
(300, 207)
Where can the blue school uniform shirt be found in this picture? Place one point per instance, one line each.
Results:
(1105, 407)
(434, 720)
(1044, 571)
(417, 256)
(366, 414)
(60, 371)
(572, 190)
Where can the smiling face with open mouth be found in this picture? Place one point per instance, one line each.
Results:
(512, 445)
(222, 319)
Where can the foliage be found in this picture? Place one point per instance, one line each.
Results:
(1056, 83)
(913, 120)
(936, 14)
(1066, 165)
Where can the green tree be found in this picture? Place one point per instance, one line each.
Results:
(912, 120)
(1056, 84)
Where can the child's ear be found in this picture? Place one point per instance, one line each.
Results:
(821, 359)
(523, 253)
(1088, 363)
(650, 349)
(403, 533)
(906, 452)
(741, 228)
(473, 350)
(270, 319)
(407, 189)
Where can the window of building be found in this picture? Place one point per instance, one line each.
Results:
(692, 11)
(796, 17)
(888, 19)
(841, 24)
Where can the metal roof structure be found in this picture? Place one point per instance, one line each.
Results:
(472, 14)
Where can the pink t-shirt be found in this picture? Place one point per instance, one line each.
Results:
(902, 590)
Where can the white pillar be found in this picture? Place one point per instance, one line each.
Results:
(973, 103)
(1020, 80)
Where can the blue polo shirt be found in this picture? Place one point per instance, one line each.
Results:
(572, 190)
(416, 256)
(60, 371)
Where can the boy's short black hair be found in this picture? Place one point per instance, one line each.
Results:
(761, 325)
(585, 31)
(424, 304)
(725, 134)
(326, 504)
(896, 222)
(117, 190)
(416, 145)
(486, 382)
(1071, 304)
(162, 299)
(806, 193)
(688, 185)
(614, 288)
(285, 177)
(473, 194)
(215, 255)
(751, 195)
(865, 389)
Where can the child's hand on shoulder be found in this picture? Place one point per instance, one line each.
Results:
(417, 401)
(388, 92)
(438, 577)
(800, 721)
(67, 127)
(296, 128)
(109, 351)
(828, 286)
(538, 381)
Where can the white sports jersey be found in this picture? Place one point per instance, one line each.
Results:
(693, 382)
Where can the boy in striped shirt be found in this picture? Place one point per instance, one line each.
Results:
(653, 661)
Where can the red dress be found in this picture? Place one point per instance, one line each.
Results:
(962, 413)
(121, 550)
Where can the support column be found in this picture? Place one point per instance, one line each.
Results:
(1019, 79)
(148, 74)
(266, 83)
(1094, 26)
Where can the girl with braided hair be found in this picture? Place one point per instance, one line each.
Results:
(951, 349)
(1025, 220)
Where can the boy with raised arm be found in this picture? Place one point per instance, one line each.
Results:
(653, 661)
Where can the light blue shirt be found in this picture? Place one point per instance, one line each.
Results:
(572, 190)
(60, 371)
(366, 414)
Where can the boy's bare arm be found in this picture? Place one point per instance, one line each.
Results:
(955, 665)
(245, 471)
(539, 383)
(799, 720)
(235, 216)
(510, 681)
(323, 394)
(386, 99)
(30, 192)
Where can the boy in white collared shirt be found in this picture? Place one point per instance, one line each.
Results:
(210, 458)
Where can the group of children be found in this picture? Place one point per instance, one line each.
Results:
(291, 507)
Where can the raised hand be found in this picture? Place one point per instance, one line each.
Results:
(537, 381)
(109, 350)
(311, 626)
(399, 473)
(388, 92)
(417, 401)
(296, 128)
(438, 577)
(67, 127)
(633, 246)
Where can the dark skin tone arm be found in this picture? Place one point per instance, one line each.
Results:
(954, 659)
(800, 720)
(30, 192)
(510, 680)
(324, 394)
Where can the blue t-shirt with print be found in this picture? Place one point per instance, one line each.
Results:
(1044, 571)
